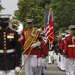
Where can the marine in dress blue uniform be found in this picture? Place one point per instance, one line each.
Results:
(10, 49)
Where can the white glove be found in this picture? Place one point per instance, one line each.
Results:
(17, 69)
(37, 44)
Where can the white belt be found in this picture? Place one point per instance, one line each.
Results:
(7, 51)
(71, 45)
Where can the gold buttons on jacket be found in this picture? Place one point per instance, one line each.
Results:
(4, 35)
(4, 38)
(4, 32)
(4, 41)
(4, 44)
(5, 48)
(4, 51)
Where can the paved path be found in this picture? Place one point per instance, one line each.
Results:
(52, 69)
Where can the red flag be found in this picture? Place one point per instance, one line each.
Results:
(49, 30)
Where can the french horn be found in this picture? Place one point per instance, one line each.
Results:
(17, 24)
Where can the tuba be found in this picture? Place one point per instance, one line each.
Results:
(16, 25)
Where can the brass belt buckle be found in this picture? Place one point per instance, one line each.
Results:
(4, 51)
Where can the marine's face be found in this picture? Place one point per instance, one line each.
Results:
(4, 24)
(73, 32)
(29, 25)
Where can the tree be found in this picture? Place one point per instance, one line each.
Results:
(64, 13)
(1, 8)
(30, 9)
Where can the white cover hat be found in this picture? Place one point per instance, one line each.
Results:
(72, 27)
(29, 20)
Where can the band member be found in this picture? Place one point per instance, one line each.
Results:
(44, 53)
(66, 62)
(69, 50)
(61, 47)
(51, 53)
(33, 63)
(10, 48)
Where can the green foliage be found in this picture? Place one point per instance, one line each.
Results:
(30, 9)
(63, 12)
(1, 7)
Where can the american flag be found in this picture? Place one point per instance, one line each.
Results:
(48, 26)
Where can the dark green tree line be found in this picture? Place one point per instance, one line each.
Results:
(30, 9)
(63, 12)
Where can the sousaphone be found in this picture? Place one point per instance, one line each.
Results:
(16, 23)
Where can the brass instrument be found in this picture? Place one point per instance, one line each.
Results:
(16, 23)
(31, 38)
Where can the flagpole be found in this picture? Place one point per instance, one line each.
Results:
(49, 30)
(49, 54)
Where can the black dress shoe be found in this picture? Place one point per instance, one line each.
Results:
(42, 74)
(63, 70)
(53, 62)
(49, 63)
(59, 68)
(45, 67)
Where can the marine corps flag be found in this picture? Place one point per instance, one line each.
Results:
(48, 26)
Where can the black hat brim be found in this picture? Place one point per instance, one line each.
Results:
(4, 19)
